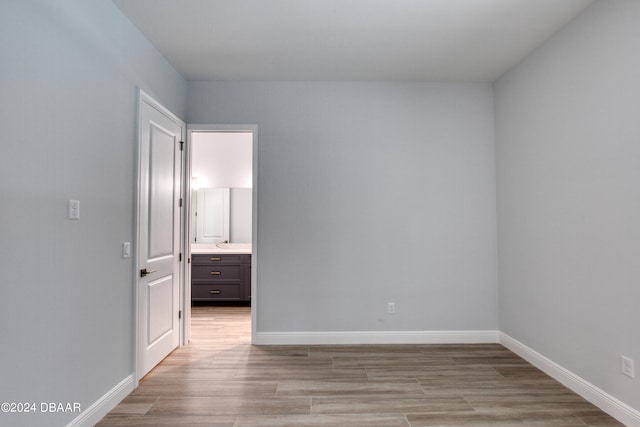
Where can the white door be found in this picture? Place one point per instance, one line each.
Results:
(212, 225)
(159, 216)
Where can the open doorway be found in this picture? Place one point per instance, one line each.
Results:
(222, 219)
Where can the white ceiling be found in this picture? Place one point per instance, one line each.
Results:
(370, 40)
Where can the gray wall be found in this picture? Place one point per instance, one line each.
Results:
(369, 193)
(568, 157)
(68, 102)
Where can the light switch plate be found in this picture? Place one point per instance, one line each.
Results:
(74, 209)
(126, 250)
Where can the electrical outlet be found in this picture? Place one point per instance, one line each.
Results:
(627, 367)
(391, 307)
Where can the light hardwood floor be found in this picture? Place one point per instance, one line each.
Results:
(220, 379)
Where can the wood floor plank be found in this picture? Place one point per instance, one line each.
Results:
(323, 421)
(366, 361)
(300, 373)
(532, 400)
(389, 404)
(195, 373)
(162, 387)
(428, 372)
(526, 370)
(112, 420)
(221, 380)
(497, 419)
(594, 417)
(135, 405)
(222, 405)
(444, 384)
(352, 388)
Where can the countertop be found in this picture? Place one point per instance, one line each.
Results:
(221, 248)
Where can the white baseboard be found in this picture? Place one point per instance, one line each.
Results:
(614, 407)
(384, 337)
(94, 413)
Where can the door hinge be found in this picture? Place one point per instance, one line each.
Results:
(180, 202)
(180, 257)
(181, 145)
(180, 314)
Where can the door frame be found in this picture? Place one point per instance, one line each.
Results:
(142, 98)
(226, 128)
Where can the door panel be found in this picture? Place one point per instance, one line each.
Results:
(162, 190)
(160, 168)
(161, 302)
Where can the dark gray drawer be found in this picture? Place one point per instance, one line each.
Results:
(215, 259)
(216, 273)
(209, 292)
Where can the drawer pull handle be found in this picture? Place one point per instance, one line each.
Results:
(215, 292)
(215, 259)
(215, 273)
